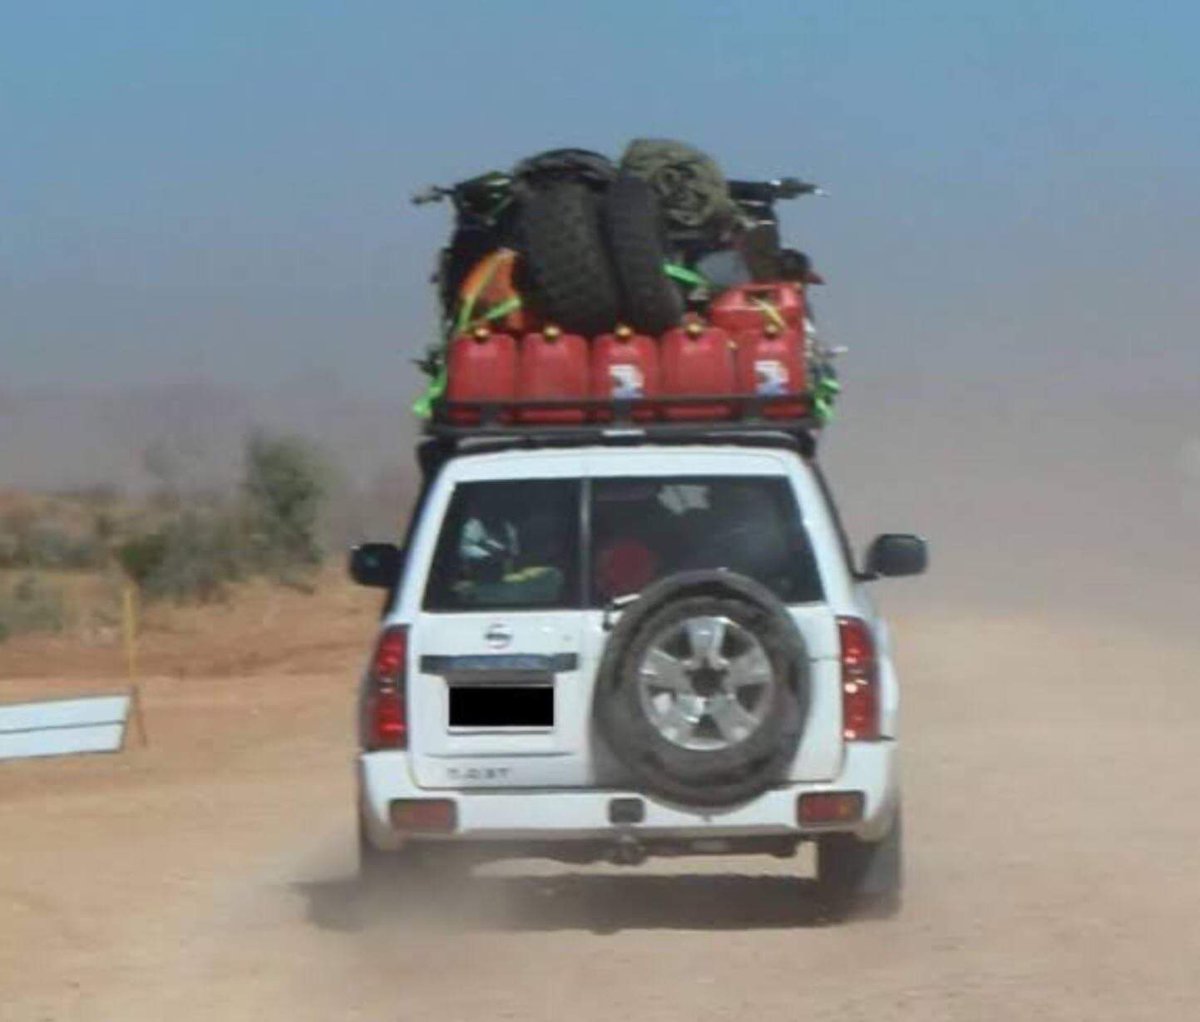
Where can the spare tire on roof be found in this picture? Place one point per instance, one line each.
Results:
(566, 274)
(582, 166)
(703, 689)
(651, 302)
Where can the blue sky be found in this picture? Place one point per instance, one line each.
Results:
(220, 190)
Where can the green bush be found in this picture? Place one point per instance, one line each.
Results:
(285, 484)
(30, 605)
(193, 556)
(25, 543)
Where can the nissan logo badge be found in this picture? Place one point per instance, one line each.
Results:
(498, 636)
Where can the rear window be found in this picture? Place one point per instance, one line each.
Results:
(508, 545)
(645, 529)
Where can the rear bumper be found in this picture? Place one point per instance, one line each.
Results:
(573, 814)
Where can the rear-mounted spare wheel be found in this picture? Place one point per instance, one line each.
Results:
(703, 689)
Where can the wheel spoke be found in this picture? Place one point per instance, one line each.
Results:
(675, 724)
(706, 636)
(732, 719)
(752, 668)
(661, 670)
(704, 683)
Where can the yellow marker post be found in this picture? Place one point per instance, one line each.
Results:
(129, 621)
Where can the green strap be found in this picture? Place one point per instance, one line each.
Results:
(684, 275)
(824, 395)
(423, 406)
(468, 306)
(499, 312)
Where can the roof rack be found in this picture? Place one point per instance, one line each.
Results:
(434, 452)
(590, 420)
(497, 432)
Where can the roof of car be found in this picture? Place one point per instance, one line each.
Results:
(434, 453)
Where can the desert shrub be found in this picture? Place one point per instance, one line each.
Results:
(284, 486)
(29, 605)
(33, 542)
(47, 546)
(190, 557)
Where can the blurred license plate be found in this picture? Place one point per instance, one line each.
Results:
(496, 706)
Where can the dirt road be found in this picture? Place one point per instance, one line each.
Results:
(1052, 859)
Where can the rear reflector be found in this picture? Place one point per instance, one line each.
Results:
(829, 807)
(424, 815)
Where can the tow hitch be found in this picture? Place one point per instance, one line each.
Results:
(628, 851)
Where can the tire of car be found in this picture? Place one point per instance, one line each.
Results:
(415, 865)
(702, 691)
(635, 231)
(864, 878)
(565, 271)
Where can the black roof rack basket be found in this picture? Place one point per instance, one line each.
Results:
(591, 420)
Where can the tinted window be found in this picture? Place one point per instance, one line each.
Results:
(645, 529)
(508, 546)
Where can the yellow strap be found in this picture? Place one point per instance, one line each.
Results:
(772, 313)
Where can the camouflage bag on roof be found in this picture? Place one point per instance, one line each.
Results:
(690, 185)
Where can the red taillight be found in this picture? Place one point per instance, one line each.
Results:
(860, 681)
(830, 807)
(387, 665)
(386, 714)
(428, 815)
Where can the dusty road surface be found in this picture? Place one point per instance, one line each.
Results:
(1052, 829)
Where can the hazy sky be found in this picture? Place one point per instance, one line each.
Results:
(220, 189)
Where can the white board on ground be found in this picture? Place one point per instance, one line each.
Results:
(61, 727)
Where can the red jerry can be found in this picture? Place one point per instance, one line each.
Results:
(553, 367)
(771, 362)
(698, 360)
(625, 369)
(753, 306)
(481, 368)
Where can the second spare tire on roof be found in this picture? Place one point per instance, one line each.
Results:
(635, 231)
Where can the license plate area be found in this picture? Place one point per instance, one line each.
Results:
(501, 706)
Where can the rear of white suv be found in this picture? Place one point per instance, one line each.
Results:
(620, 651)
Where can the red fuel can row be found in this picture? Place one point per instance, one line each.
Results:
(551, 366)
(756, 353)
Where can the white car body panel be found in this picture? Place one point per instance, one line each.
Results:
(567, 775)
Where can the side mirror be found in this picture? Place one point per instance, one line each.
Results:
(896, 554)
(375, 564)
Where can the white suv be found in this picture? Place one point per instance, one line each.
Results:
(628, 649)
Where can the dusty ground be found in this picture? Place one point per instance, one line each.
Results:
(1052, 853)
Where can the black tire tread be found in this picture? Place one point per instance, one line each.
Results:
(567, 273)
(863, 878)
(633, 227)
